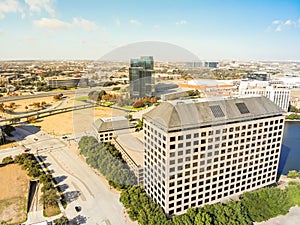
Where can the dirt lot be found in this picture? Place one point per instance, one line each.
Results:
(21, 104)
(76, 121)
(66, 123)
(295, 93)
(13, 195)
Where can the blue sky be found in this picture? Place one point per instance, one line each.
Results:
(211, 29)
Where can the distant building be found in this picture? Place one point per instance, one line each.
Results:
(277, 92)
(67, 82)
(107, 128)
(200, 64)
(205, 151)
(141, 77)
(263, 76)
(211, 64)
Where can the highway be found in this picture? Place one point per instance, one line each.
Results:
(45, 94)
(81, 185)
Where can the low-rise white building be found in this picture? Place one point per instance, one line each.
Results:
(277, 92)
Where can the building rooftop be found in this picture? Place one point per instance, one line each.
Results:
(187, 114)
(133, 145)
(112, 123)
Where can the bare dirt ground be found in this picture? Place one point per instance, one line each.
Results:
(295, 93)
(21, 104)
(65, 123)
(13, 194)
(76, 121)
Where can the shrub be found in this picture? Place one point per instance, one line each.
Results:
(138, 104)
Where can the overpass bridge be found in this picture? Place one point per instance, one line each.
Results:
(41, 114)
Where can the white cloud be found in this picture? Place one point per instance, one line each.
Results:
(181, 22)
(279, 25)
(52, 24)
(289, 23)
(276, 22)
(85, 24)
(278, 28)
(118, 22)
(135, 22)
(9, 6)
(156, 26)
(39, 5)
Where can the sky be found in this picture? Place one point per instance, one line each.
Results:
(89, 29)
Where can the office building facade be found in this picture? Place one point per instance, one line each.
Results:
(141, 77)
(280, 94)
(209, 150)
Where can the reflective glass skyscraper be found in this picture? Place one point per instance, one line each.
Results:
(141, 77)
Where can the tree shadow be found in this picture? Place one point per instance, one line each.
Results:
(60, 178)
(78, 220)
(42, 157)
(47, 164)
(63, 187)
(71, 196)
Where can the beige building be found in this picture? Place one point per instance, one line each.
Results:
(130, 145)
(205, 151)
(67, 82)
(107, 128)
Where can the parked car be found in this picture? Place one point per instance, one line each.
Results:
(77, 208)
(27, 149)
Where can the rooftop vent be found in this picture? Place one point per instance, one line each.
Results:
(242, 108)
(217, 111)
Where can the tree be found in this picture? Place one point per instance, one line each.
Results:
(203, 218)
(293, 174)
(138, 104)
(266, 203)
(2, 109)
(47, 186)
(50, 197)
(7, 160)
(34, 172)
(61, 221)
(101, 94)
(31, 119)
(139, 126)
(46, 178)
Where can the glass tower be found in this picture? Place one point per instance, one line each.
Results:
(140, 77)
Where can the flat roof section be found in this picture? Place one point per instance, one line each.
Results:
(133, 146)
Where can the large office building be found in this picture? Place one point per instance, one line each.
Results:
(204, 151)
(277, 92)
(141, 77)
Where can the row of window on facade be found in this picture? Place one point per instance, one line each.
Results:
(198, 197)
